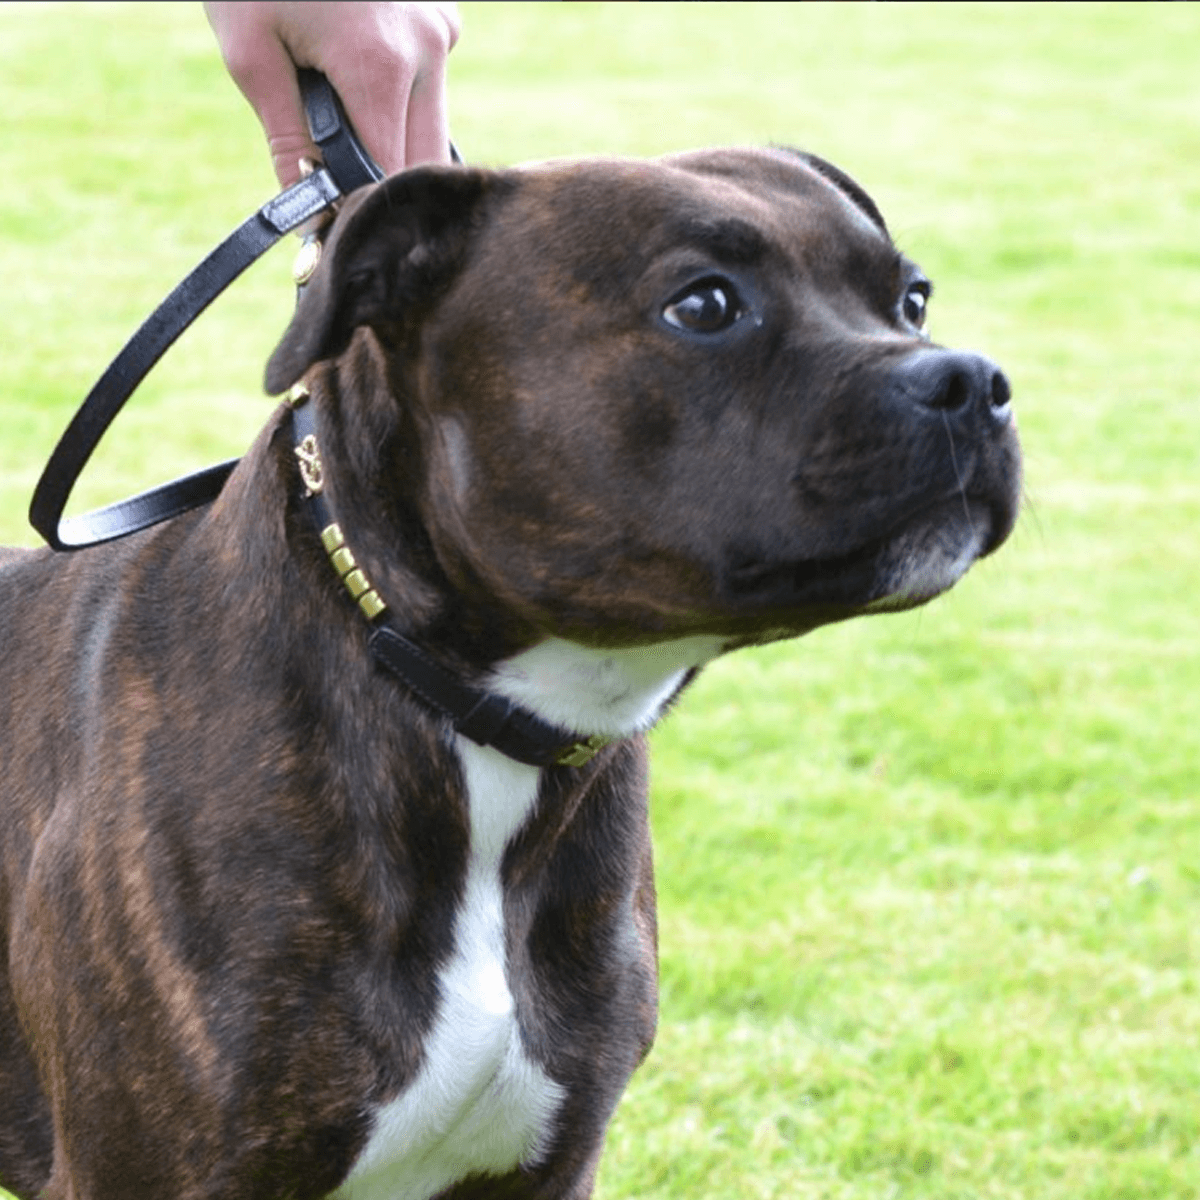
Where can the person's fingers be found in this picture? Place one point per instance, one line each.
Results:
(387, 62)
(428, 132)
(427, 136)
(274, 94)
(263, 70)
(394, 86)
(374, 88)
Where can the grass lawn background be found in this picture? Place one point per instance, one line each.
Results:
(929, 884)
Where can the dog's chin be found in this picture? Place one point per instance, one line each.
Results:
(919, 560)
(930, 556)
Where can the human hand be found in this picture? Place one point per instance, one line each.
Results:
(387, 62)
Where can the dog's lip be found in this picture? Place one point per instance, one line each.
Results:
(845, 580)
(870, 577)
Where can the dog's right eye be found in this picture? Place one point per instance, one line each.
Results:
(710, 306)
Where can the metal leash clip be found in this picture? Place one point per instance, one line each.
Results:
(346, 166)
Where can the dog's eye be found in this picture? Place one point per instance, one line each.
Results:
(915, 303)
(705, 307)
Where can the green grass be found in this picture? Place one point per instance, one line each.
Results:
(929, 884)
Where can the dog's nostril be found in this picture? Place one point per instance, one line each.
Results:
(953, 382)
(952, 393)
(1001, 390)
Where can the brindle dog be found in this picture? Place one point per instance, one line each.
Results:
(273, 928)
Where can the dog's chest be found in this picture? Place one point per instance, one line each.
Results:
(479, 1105)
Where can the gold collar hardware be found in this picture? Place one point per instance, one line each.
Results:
(312, 472)
(297, 394)
(312, 469)
(305, 263)
(350, 573)
(583, 751)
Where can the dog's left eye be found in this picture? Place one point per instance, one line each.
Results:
(915, 304)
(709, 306)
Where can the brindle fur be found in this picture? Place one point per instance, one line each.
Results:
(232, 849)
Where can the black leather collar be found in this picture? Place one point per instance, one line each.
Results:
(484, 717)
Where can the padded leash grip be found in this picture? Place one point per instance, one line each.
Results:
(344, 156)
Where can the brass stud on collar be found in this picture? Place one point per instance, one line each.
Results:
(343, 561)
(332, 539)
(352, 576)
(357, 584)
(296, 394)
(371, 604)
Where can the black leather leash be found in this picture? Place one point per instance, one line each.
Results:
(347, 166)
(483, 716)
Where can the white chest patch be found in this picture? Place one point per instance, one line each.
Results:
(614, 692)
(479, 1104)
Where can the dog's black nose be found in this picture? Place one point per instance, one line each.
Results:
(953, 381)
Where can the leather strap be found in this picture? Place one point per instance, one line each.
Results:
(484, 717)
(344, 156)
(347, 166)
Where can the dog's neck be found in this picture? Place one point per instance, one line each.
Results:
(591, 695)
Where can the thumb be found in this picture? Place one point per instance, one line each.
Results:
(260, 65)
(271, 87)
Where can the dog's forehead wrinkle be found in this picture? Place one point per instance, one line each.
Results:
(727, 238)
(842, 183)
(624, 191)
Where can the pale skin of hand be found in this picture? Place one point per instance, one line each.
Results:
(387, 62)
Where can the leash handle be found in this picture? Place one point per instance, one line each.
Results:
(344, 156)
(347, 166)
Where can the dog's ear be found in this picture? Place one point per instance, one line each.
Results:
(853, 191)
(391, 245)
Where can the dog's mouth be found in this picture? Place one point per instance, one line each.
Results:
(921, 557)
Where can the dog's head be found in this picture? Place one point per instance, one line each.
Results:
(629, 400)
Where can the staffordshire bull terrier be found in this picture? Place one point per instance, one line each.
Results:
(325, 860)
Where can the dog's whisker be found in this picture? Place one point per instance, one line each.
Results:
(962, 487)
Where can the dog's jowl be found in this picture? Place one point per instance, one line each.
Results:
(326, 868)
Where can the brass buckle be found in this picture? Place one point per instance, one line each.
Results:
(579, 753)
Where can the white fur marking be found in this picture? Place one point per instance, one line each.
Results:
(613, 692)
(924, 567)
(479, 1105)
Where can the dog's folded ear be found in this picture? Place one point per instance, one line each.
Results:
(391, 245)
